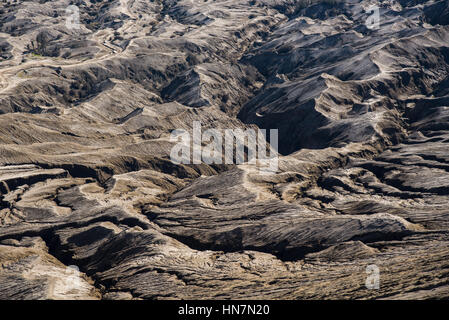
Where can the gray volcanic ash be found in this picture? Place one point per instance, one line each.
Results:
(91, 91)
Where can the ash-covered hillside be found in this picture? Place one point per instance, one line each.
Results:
(90, 92)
